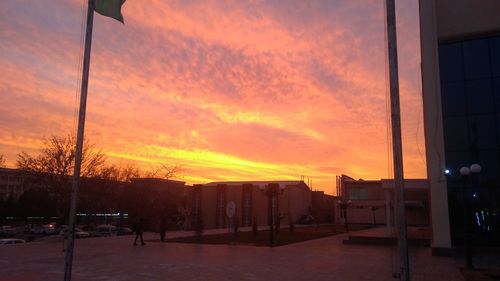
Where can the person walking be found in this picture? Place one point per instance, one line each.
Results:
(163, 228)
(139, 229)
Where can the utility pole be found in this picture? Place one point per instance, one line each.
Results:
(404, 267)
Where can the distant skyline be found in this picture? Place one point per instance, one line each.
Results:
(241, 90)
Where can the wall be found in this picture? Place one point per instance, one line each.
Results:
(433, 126)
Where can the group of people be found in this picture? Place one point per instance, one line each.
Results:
(138, 229)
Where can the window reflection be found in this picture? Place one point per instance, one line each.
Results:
(470, 96)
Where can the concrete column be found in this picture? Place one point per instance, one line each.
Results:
(433, 126)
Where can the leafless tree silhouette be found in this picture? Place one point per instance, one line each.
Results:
(165, 171)
(53, 167)
(57, 157)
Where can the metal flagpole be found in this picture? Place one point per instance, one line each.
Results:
(404, 266)
(79, 141)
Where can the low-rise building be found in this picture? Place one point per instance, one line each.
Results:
(323, 210)
(208, 204)
(372, 201)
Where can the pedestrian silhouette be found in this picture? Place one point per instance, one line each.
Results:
(163, 228)
(138, 228)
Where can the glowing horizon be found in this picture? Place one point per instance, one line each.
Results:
(231, 91)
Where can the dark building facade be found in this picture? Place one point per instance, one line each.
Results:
(460, 52)
(208, 203)
(470, 100)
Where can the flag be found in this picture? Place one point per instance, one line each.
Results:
(110, 8)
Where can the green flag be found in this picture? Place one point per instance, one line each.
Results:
(110, 8)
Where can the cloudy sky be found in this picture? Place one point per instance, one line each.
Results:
(230, 90)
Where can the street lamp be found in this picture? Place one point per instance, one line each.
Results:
(465, 172)
(475, 168)
(272, 191)
(344, 204)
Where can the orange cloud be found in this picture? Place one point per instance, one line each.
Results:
(232, 91)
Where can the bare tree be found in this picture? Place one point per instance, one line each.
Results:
(165, 171)
(129, 171)
(2, 161)
(57, 157)
(119, 173)
(54, 165)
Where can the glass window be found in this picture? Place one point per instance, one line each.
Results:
(495, 56)
(488, 159)
(453, 98)
(353, 193)
(450, 62)
(482, 132)
(358, 194)
(479, 96)
(476, 59)
(456, 160)
(455, 133)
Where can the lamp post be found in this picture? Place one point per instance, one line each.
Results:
(465, 172)
(344, 204)
(272, 192)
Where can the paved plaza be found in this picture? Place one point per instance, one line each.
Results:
(115, 258)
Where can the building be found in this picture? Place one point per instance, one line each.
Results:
(460, 55)
(209, 201)
(158, 184)
(323, 207)
(12, 184)
(156, 200)
(372, 202)
(172, 202)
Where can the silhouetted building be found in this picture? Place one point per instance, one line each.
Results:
(11, 184)
(209, 202)
(323, 207)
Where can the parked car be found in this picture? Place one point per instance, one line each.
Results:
(44, 229)
(124, 231)
(78, 232)
(10, 241)
(94, 233)
(7, 231)
(306, 219)
(106, 230)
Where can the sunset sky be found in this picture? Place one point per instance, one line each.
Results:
(230, 90)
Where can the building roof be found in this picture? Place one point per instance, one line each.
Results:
(156, 180)
(258, 183)
(421, 183)
(10, 171)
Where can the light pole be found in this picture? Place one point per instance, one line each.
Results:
(344, 204)
(272, 192)
(465, 172)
